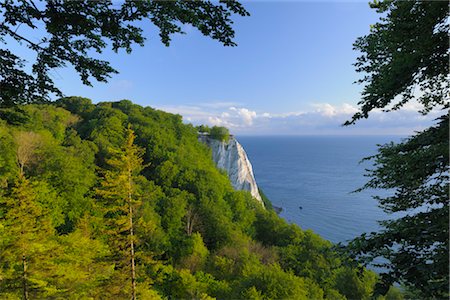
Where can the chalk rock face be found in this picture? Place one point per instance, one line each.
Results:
(231, 157)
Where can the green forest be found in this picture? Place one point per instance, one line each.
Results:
(112, 200)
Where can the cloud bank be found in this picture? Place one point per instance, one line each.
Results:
(319, 119)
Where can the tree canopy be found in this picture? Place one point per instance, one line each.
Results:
(71, 32)
(101, 180)
(220, 133)
(405, 58)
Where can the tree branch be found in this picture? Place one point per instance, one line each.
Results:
(18, 36)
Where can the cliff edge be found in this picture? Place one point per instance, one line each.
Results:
(231, 157)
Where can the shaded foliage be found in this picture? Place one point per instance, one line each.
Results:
(73, 30)
(405, 58)
(416, 244)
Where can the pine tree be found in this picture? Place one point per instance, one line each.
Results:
(121, 200)
(27, 244)
(81, 262)
(27, 236)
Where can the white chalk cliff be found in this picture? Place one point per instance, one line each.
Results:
(231, 157)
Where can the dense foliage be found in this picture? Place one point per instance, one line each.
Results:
(415, 245)
(203, 128)
(71, 32)
(405, 58)
(114, 199)
(220, 133)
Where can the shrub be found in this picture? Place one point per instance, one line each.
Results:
(220, 133)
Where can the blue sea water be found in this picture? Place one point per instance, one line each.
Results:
(311, 178)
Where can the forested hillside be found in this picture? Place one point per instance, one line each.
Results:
(109, 200)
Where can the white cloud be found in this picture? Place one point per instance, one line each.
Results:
(216, 121)
(325, 109)
(322, 118)
(282, 115)
(348, 109)
(246, 115)
(328, 110)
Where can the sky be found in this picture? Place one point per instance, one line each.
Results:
(291, 74)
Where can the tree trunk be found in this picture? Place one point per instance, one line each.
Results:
(191, 217)
(24, 278)
(130, 217)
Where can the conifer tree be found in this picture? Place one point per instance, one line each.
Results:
(121, 200)
(26, 233)
(27, 244)
(81, 265)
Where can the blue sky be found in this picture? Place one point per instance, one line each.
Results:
(291, 73)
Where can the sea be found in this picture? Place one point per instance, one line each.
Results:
(312, 178)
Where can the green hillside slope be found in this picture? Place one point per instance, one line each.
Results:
(83, 183)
